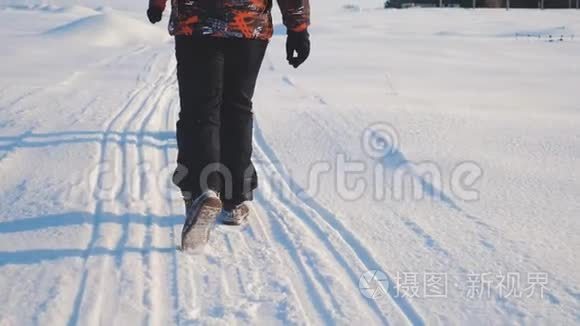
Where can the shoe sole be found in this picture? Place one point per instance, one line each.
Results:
(196, 234)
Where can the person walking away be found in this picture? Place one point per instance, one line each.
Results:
(219, 46)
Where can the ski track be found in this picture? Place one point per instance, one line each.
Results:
(487, 235)
(296, 262)
(149, 238)
(170, 119)
(135, 106)
(35, 92)
(125, 149)
(334, 235)
(329, 226)
(430, 243)
(289, 228)
(103, 63)
(123, 142)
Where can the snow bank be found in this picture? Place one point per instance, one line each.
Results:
(50, 8)
(109, 28)
(76, 10)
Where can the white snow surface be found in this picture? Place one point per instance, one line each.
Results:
(90, 223)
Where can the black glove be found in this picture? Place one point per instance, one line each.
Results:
(299, 42)
(154, 15)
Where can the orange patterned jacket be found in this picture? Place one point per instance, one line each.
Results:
(233, 18)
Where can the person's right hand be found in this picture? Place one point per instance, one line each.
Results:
(154, 15)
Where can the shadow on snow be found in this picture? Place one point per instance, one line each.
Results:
(35, 256)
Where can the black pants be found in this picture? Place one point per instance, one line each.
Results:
(217, 77)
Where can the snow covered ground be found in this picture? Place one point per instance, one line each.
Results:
(421, 168)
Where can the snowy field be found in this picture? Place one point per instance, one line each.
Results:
(423, 167)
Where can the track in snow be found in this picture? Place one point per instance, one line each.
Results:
(130, 266)
(178, 288)
(135, 257)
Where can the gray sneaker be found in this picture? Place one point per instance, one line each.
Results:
(238, 215)
(201, 214)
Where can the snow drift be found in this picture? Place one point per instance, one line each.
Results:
(109, 28)
(50, 8)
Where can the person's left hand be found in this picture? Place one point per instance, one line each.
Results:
(298, 42)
